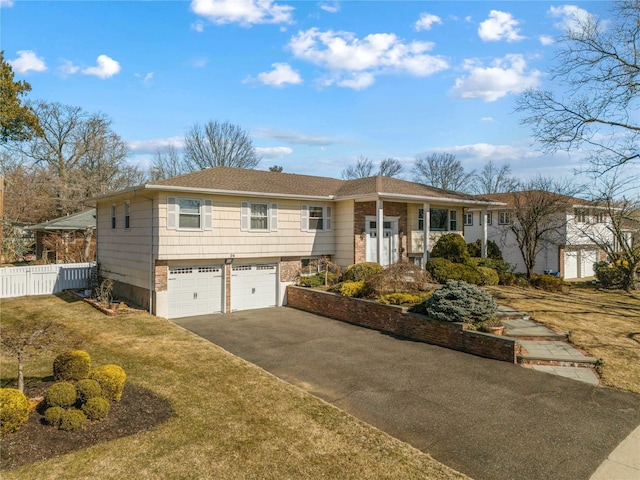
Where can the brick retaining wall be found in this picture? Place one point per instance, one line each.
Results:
(397, 320)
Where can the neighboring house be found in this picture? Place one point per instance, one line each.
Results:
(569, 251)
(225, 239)
(67, 239)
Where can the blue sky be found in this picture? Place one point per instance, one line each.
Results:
(316, 84)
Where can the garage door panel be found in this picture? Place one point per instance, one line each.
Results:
(195, 291)
(253, 286)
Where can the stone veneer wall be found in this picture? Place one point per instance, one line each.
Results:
(397, 321)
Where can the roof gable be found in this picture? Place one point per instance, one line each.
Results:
(77, 221)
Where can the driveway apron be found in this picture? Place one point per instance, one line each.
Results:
(485, 418)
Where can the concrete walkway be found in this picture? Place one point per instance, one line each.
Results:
(490, 420)
(624, 461)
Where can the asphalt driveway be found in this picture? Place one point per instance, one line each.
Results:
(488, 419)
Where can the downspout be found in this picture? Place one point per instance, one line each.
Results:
(426, 219)
(152, 276)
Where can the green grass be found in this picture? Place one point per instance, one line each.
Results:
(605, 323)
(231, 420)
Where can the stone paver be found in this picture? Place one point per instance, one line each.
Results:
(525, 327)
(585, 375)
(551, 350)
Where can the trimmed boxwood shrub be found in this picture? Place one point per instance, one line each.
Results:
(111, 378)
(353, 289)
(549, 283)
(399, 277)
(53, 416)
(461, 302)
(72, 365)
(87, 389)
(14, 410)
(61, 394)
(72, 420)
(609, 275)
(507, 279)
(489, 276)
(402, 298)
(361, 271)
(493, 250)
(452, 247)
(96, 408)
(443, 270)
(318, 280)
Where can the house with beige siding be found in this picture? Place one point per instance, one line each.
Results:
(226, 239)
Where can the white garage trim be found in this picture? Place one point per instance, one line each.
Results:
(254, 286)
(195, 290)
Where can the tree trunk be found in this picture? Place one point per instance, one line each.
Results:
(20, 375)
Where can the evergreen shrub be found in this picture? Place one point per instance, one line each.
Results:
(459, 301)
(96, 408)
(72, 420)
(452, 247)
(61, 394)
(111, 379)
(14, 410)
(361, 271)
(72, 365)
(87, 389)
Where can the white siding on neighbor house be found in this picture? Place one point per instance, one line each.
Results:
(226, 238)
(344, 233)
(125, 254)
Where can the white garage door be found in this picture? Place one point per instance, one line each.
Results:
(579, 263)
(571, 264)
(253, 286)
(195, 291)
(587, 259)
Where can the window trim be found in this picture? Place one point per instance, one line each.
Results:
(272, 217)
(453, 221)
(114, 217)
(504, 217)
(127, 215)
(468, 219)
(489, 218)
(305, 217)
(308, 261)
(205, 214)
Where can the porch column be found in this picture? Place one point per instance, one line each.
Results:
(380, 229)
(484, 232)
(426, 217)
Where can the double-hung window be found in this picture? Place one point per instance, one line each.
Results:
(468, 219)
(453, 220)
(259, 217)
(113, 217)
(189, 213)
(504, 217)
(580, 215)
(127, 215)
(489, 218)
(259, 213)
(315, 218)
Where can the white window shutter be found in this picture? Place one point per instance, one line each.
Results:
(244, 217)
(327, 222)
(172, 213)
(207, 215)
(273, 225)
(304, 218)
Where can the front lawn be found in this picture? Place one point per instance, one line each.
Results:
(231, 419)
(605, 323)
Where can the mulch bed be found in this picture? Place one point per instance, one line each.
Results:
(139, 410)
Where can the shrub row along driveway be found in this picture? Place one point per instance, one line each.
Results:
(488, 419)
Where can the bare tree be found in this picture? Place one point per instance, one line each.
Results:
(597, 66)
(442, 170)
(494, 179)
(167, 163)
(390, 167)
(538, 216)
(27, 339)
(218, 144)
(276, 168)
(364, 167)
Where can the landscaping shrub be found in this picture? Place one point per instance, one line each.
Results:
(14, 410)
(111, 378)
(489, 276)
(61, 394)
(507, 279)
(72, 365)
(493, 251)
(609, 275)
(353, 289)
(461, 302)
(443, 270)
(72, 420)
(452, 247)
(399, 277)
(96, 408)
(522, 281)
(499, 266)
(87, 389)
(402, 298)
(361, 271)
(549, 283)
(53, 416)
(318, 279)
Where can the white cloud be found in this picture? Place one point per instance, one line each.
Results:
(198, 26)
(243, 12)
(6, 3)
(499, 26)
(426, 21)
(546, 40)
(294, 137)
(487, 119)
(345, 55)
(68, 68)
(331, 8)
(146, 79)
(281, 74)
(570, 17)
(505, 76)
(106, 67)
(27, 61)
(273, 152)
(150, 146)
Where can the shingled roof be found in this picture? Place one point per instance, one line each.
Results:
(570, 202)
(77, 221)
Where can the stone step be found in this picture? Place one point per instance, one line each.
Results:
(586, 375)
(527, 329)
(553, 353)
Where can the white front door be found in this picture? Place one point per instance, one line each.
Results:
(389, 244)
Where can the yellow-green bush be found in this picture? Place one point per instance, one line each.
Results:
(87, 389)
(96, 408)
(72, 365)
(443, 270)
(61, 394)
(489, 276)
(72, 420)
(549, 283)
(353, 289)
(14, 410)
(361, 271)
(111, 378)
(401, 298)
(53, 416)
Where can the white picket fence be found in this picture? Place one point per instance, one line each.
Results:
(44, 279)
